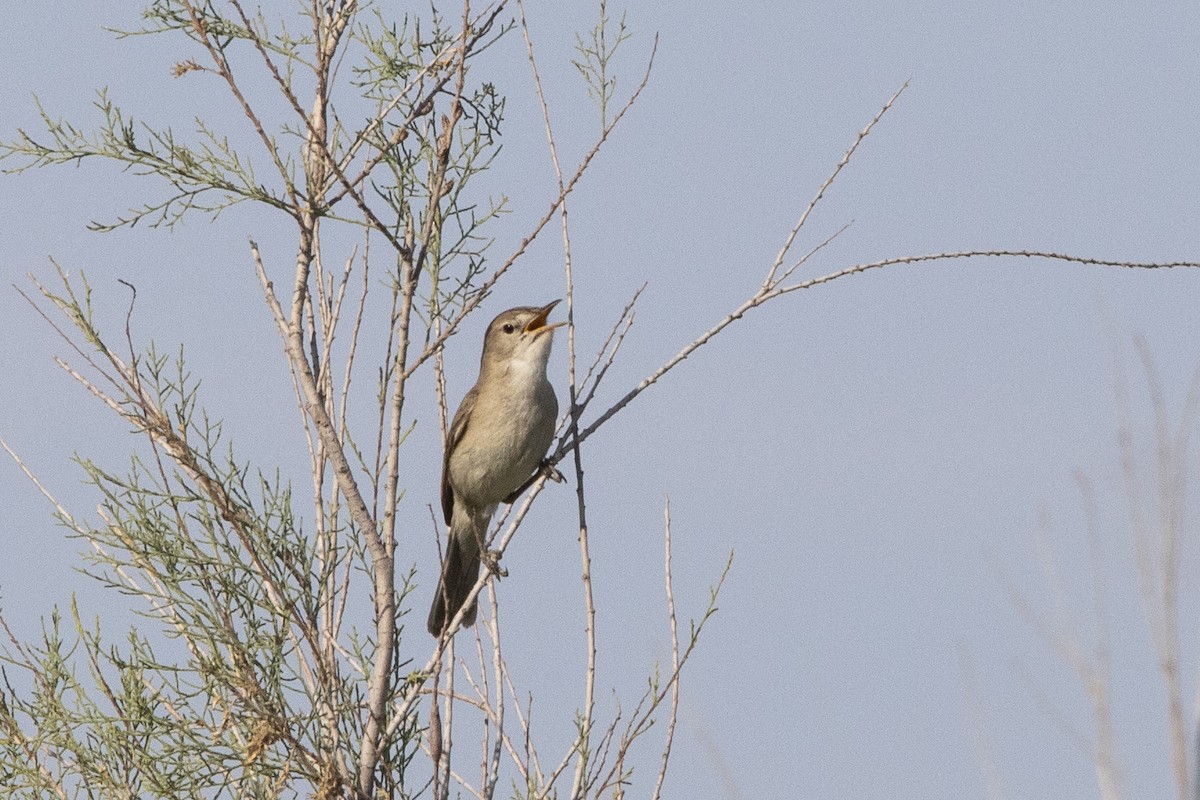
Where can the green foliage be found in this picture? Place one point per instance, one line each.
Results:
(245, 684)
(596, 54)
(225, 569)
(424, 129)
(209, 176)
(241, 678)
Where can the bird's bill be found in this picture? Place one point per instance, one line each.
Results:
(538, 323)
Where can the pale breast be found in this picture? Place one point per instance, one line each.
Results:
(508, 435)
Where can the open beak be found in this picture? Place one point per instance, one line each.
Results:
(538, 323)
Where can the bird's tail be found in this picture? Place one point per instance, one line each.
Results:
(460, 570)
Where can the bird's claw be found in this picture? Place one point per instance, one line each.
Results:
(551, 471)
(491, 560)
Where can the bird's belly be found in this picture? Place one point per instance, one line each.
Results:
(487, 466)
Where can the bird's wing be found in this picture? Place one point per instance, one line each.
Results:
(462, 418)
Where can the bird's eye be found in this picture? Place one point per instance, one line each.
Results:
(509, 327)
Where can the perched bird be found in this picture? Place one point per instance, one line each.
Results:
(499, 436)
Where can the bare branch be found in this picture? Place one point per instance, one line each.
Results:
(770, 280)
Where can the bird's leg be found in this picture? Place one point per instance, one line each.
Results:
(547, 468)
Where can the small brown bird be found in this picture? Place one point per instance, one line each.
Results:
(499, 436)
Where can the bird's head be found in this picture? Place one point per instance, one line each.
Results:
(520, 336)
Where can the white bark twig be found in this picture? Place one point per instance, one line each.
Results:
(673, 714)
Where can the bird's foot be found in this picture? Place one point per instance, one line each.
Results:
(491, 560)
(551, 471)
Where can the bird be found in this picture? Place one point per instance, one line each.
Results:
(499, 437)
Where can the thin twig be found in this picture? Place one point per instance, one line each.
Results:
(762, 297)
(673, 714)
(485, 288)
(791, 237)
(589, 682)
(616, 336)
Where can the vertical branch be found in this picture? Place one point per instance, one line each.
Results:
(589, 683)
(494, 710)
(435, 733)
(443, 767)
(1165, 614)
(670, 590)
(382, 574)
(309, 375)
(435, 723)
(1096, 680)
(412, 260)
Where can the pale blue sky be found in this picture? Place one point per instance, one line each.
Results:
(877, 450)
